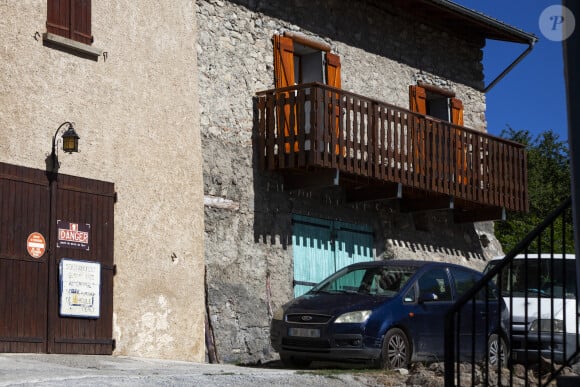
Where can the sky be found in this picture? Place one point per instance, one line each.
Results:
(532, 96)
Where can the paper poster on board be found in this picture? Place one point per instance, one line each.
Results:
(80, 287)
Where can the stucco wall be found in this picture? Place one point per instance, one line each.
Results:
(248, 214)
(136, 111)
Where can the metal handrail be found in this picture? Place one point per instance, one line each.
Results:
(451, 355)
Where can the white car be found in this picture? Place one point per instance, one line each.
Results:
(540, 292)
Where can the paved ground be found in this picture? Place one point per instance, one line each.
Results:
(86, 370)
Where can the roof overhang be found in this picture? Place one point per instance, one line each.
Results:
(467, 23)
(451, 16)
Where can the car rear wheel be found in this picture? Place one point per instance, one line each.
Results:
(497, 350)
(294, 362)
(396, 351)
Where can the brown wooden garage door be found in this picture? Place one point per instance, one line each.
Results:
(37, 312)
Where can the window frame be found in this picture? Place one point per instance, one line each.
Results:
(285, 72)
(69, 27)
(418, 102)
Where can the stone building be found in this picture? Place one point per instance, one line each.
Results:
(339, 131)
(311, 134)
(125, 74)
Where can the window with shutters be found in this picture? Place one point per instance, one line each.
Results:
(70, 19)
(437, 103)
(299, 60)
(441, 104)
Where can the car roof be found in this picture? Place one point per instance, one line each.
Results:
(406, 262)
(535, 256)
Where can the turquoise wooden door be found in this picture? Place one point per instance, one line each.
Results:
(321, 247)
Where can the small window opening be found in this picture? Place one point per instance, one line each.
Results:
(438, 106)
(308, 64)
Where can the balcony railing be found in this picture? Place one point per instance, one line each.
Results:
(314, 125)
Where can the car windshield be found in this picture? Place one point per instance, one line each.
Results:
(383, 281)
(543, 277)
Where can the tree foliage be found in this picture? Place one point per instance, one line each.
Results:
(548, 186)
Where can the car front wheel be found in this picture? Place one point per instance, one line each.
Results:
(396, 351)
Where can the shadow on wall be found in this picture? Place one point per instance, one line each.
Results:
(275, 207)
(434, 235)
(270, 225)
(272, 209)
(444, 251)
(429, 235)
(364, 27)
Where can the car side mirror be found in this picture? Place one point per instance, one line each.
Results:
(428, 297)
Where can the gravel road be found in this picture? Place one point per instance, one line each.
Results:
(87, 370)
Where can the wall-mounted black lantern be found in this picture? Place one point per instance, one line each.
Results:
(70, 143)
(70, 140)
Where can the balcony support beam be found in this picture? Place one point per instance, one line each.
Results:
(316, 178)
(374, 193)
(479, 215)
(427, 203)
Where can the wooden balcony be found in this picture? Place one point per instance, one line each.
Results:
(317, 135)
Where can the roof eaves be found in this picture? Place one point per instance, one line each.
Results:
(509, 32)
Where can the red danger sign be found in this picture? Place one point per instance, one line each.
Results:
(36, 245)
(73, 235)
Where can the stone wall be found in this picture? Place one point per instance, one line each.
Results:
(136, 111)
(248, 214)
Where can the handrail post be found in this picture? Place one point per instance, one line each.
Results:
(449, 348)
(314, 126)
(572, 78)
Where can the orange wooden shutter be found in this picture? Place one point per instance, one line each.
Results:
(461, 147)
(284, 77)
(283, 61)
(333, 70)
(418, 103)
(333, 79)
(81, 21)
(456, 111)
(418, 99)
(58, 17)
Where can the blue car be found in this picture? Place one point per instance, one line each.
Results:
(389, 313)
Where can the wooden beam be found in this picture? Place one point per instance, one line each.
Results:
(374, 192)
(437, 89)
(427, 204)
(479, 215)
(318, 178)
(317, 44)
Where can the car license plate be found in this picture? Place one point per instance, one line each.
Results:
(303, 332)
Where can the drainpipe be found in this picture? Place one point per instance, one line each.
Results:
(517, 35)
(511, 66)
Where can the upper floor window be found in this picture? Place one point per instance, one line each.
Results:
(70, 19)
(436, 102)
(442, 104)
(298, 60)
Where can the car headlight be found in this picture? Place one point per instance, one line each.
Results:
(278, 314)
(353, 317)
(546, 325)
